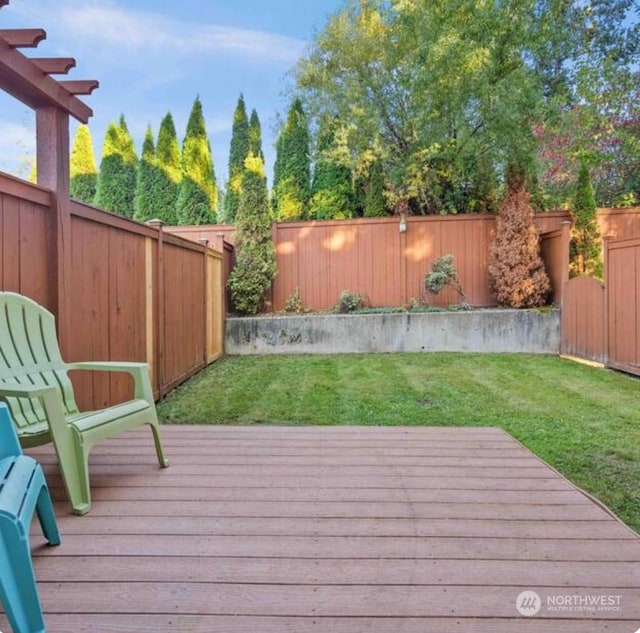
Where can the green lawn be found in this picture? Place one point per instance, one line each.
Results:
(583, 421)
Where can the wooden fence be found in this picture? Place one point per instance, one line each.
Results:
(134, 292)
(371, 256)
(602, 322)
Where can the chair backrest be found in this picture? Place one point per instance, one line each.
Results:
(30, 355)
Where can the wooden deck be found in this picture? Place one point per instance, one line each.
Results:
(336, 529)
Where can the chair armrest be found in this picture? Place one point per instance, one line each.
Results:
(48, 395)
(139, 372)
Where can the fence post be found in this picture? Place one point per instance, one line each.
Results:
(607, 339)
(52, 156)
(207, 298)
(566, 255)
(160, 317)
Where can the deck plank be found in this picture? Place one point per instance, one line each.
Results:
(336, 529)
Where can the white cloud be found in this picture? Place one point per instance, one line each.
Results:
(147, 34)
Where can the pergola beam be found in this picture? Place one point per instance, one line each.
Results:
(54, 65)
(23, 38)
(80, 86)
(21, 78)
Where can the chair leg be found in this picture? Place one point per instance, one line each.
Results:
(17, 582)
(75, 472)
(46, 515)
(155, 429)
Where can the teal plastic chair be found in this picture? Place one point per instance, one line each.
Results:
(23, 491)
(35, 383)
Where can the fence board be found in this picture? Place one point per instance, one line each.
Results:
(583, 331)
(554, 249)
(623, 304)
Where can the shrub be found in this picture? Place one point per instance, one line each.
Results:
(294, 302)
(350, 302)
(443, 273)
(516, 271)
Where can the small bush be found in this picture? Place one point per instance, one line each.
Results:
(350, 302)
(443, 273)
(294, 302)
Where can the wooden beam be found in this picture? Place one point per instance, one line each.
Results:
(23, 38)
(54, 65)
(22, 79)
(3, 3)
(80, 86)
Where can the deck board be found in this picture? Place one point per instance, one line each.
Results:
(337, 529)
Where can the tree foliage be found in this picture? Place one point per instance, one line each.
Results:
(238, 152)
(118, 171)
(332, 187)
(443, 273)
(168, 162)
(197, 198)
(255, 266)
(292, 171)
(255, 135)
(585, 248)
(432, 87)
(148, 181)
(83, 170)
(516, 271)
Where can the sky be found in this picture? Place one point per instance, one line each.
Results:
(155, 56)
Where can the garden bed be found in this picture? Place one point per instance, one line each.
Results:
(490, 330)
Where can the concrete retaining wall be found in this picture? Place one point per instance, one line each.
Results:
(529, 331)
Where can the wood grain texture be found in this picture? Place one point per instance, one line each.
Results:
(329, 529)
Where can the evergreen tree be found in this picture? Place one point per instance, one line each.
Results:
(516, 271)
(197, 199)
(332, 188)
(255, 135)
(146, 199)
(585, 250)
(292, 174)
(168, 163)
(117, 178)
(83, 170)
(375, 203)
(238, 152)
(255, 266)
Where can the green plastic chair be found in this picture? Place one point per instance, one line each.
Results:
(23, 492)
(34, 382)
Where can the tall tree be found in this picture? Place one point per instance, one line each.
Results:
(585, 250)
(197, 199)
(332, 186)
(145, 201)
(255, 135)
(83, 170)
(168, 162)
(429, 85)
(375, 203)
(516, 271)
(292, 174)
(117, 178)
(238, 152)
(255, 266)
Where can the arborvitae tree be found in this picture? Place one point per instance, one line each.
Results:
(375, 203)
(83, 170)
(255, 135)
(292, 176)
(238, 152)
(332, 187)
(516, 271)
(117, 178)
(197, 200)
(168, 162)
(146, 199)
(255, 266)
(585, 250)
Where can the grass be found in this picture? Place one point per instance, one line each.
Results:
(584, 421)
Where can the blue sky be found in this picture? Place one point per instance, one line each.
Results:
(152, 56)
